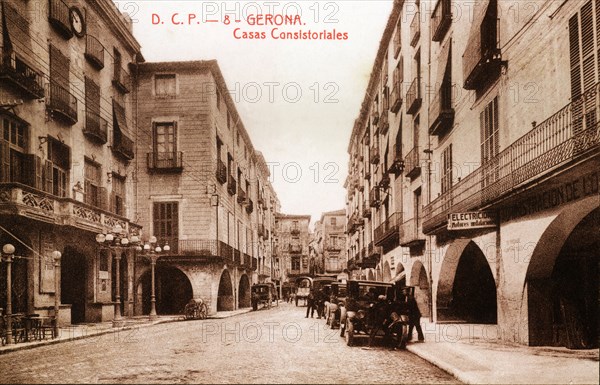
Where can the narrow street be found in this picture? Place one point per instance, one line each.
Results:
(267, 346)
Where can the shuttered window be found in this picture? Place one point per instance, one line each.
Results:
(584, 55)
(92, 177)
(490, 146)
(13, 145)
(59, 68)
(447, 168)
(118, 194)
(56, 168)
(166, 223)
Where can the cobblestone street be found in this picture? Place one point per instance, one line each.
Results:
(267, 346)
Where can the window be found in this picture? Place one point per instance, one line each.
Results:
(117, 65)
(488, 121)
(447, 169)
(333, 221)
(584, 42)
(165, 142)
(57, 168)
(118, 194)
(166, 223)
(92, 177)
(295, 263)
(417, 209)
(13, 145)
(165, 85)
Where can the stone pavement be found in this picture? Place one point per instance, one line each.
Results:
(474, 354)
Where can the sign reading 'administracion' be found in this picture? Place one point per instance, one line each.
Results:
(471, 220)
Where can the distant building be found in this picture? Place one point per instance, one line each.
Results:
(333, 244)
(292, 244)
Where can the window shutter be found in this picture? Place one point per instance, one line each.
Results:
(5, 161)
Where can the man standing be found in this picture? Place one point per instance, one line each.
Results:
(310, 305)
(414, 315)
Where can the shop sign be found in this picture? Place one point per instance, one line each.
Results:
(471, 220)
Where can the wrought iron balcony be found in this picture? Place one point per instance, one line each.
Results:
(123, 146)
(165, 161)
(221, 172)
(441, 20)
(231, 185)
(61, 103)
(15, 72)
(411, 234)
(94, 51)
(96, 128)
(261, 230)
(441, 112)
(384, 183)
(413, 97)
(415, 29)
(568, 137)
(370, 256)
(254, 263)
(375, 116)
(375, 197)
(334, 265)
(122, 81)
(389, 230)
(397, 163)
(59, 18)
(295, 231)
(250, 206)
(412, 163)
(396, 97)
(366, 213)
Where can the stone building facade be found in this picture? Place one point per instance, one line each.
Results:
(473, 165)
(292, 239)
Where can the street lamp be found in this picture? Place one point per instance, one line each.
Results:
(56, 256)
(118, 240)
(153, 252)
(7, 251)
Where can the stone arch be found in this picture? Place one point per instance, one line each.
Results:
(370, 275)
(225, 299)
(244, 292)
(562, 280)
(173, 289)
(420, 280)
(466, 289)
(387, 272)
(400, 277)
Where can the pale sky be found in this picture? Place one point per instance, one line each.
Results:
(298, 99)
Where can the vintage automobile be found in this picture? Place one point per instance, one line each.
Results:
(367, 305)
(264, 294)
(303, 286)
(195, 309)
(336, 297)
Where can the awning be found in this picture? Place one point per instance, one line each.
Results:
(16, 29)
(119, 118)
(443, 60)
(401, 275)
(472, 53)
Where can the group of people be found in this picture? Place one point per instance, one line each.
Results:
(316, 301)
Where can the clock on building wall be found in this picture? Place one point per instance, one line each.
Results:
(77, 21)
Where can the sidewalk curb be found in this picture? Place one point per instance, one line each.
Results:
(450, 369)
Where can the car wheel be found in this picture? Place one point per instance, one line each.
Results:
(203, 311)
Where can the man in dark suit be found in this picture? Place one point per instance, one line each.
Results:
(414, 315)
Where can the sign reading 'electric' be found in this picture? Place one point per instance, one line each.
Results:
(471, 220)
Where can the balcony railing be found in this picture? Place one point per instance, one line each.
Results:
(59, 18)
(261, 230)
(221, 172)
(389, 230)
(165, 161)
(94, 52)
(250, 206)
(123, 146)
(396, 97)
(254, 263)
(415, 29)
(334, 265)
(412, 163)
(411, 233)
(96, 127)
(231, 185)
(207, 248)
(370, 256)
(440, 20)
(441, 111)
(366, 213)
(396, 163)
(122, 81)
(413, 97)
(241, 195)
(61, 103)
(570, 135)
(375, 116)
(21, 76)
(295, 231)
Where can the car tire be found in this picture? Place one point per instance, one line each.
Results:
(203, 312)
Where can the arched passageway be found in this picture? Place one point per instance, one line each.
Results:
(172, 287)
(466, 287)
(244, 299)
(73, 283)
(563, 303)
(387, 272)
(419, 279)
(225, 301)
